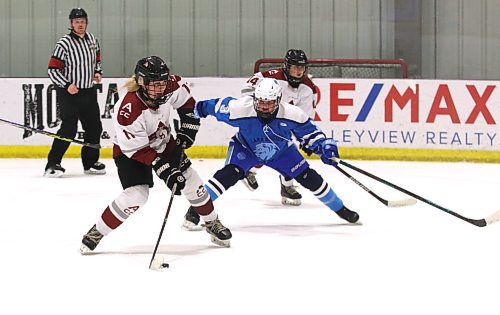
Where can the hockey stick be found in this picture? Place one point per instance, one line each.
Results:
(50, 134)
(388, 203)
(158, 263)
(477, 222)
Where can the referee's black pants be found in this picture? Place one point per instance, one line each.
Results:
(81, 106)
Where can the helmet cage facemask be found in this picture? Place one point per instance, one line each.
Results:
(266, 116)
(153, 101)
(294, 81)
(295, 57)
(144, 77)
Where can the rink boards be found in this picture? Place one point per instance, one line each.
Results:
(449, 120)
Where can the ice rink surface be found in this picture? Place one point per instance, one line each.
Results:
(282, 260)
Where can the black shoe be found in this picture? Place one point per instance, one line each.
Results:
(220, 234)
(250, 181)
(97, 168)
(290, 195)
(54, 170)
(348, 215)
(191, 220)
(90, 240)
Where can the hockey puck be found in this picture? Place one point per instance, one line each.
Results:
(164, 265)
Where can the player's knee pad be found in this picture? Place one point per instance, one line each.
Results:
(310, 179)
(223, 179)
(133, 198)
(228, 175)
(194, 191)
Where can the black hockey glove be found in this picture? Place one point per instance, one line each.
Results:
(186, 133)
(170, 175)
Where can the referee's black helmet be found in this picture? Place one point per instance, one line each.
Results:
(78, 13)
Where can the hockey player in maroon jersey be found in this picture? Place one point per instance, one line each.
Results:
(299, 90)
(143, 143)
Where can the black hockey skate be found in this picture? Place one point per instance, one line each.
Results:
(191, 220)
(53, 170)
(250, 181)
(348, 215)
(221, 235)
(90, 240)
(290, 195)
(97, 168)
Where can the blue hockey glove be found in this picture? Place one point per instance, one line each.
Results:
(329, 150)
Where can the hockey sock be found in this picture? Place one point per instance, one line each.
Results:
(128, 202)
(311, 180)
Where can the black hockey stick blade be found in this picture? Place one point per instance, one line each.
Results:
(50, 134)
(477, 222)
(389, 203)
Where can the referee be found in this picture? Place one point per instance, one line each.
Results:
(73, 68)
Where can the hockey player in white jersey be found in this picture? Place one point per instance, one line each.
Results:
(265, 128)
(143, 143)
(299, 90)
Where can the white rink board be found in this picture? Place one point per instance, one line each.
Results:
(428, 114)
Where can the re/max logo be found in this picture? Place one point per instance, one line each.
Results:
(443, 103)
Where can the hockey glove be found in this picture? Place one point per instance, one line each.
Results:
(169, 174)
(329, 150)
(186, 133)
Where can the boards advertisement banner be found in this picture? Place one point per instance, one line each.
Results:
(358, 113)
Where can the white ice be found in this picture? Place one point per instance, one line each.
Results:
(282, 260)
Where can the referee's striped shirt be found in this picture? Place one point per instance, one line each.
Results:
(75, 61)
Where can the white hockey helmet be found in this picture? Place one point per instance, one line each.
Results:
(267, 97)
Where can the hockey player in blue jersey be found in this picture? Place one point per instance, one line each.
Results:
(265, 128)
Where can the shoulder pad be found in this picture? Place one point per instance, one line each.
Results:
(130, 109)
(175, 78)
(275, 74)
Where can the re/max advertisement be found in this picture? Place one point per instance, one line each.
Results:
(431, 114)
